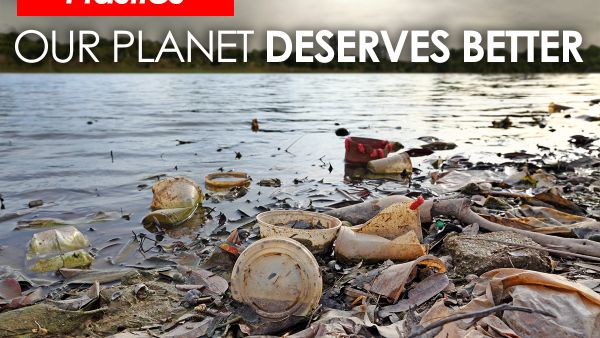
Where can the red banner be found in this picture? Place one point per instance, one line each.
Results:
(130, 8)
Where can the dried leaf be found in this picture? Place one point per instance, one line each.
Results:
(391, 281)
(9, 289)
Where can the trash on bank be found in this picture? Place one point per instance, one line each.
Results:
(84, 302)
(571, 309)
(279, 280)
(547, 221)
(224, 181)
(354, 246)
(73, 259)
(171, 296)
(58, 248)
(56, 241)
(362, 212)
(175, 192)
(395, 220)
(314, 230)
(355, 323)
(456, 180)
(363, 150)
(396, 164)
(357, 172)
(174, 201)
(168, 217)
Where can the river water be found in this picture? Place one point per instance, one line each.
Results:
(57, 133)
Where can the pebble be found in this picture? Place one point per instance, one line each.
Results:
(342, 132)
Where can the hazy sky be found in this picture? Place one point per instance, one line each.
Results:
(391, 15)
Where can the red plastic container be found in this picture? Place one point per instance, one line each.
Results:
(363, 150)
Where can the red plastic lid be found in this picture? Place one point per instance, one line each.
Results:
(417, 203)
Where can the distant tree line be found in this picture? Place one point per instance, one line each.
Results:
(257, 62)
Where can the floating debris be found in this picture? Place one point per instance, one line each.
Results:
(502, 124)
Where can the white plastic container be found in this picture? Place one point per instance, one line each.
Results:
(278, 277)
(395, 164)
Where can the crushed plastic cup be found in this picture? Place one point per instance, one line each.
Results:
(168, 217)
(395, 164)
(56, 241)
(176, 192)
(395, 220)
(58, 248)
(314, 230)
(278, 278)
(69, 260)
(174, 201)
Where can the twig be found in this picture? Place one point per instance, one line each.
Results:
(558, 252)
(229, 322)
(210, 210)
(347, 195)
(291, 145)
(420, 330)
(312, 315)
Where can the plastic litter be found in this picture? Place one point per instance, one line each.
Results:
(73, 259)
(351, 245)
(226, 180)
(575, 307)
(355, 323)
(395, 220)
(363, 150)
(362, 212)
(396, 164)
(545, 220)
(168, 217)
(279, 279)
(174, 201)
(56, 241)
(317, 233)
(176, 192)
(58, 248)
